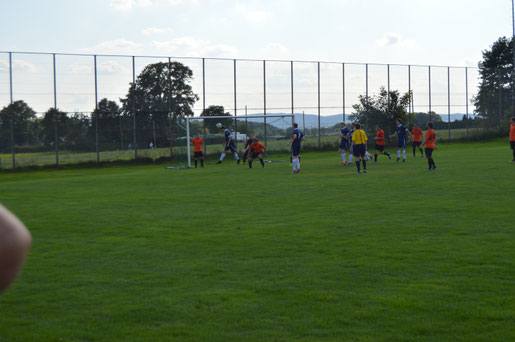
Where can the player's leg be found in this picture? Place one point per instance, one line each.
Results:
(376, 153)
(357, 154)
(222, 156)
(512, 144)
(398, 151)
(414, 149)
(428, 156)
(420, 148)
(196, 159)
(251, 159)
(260, 156)
(235, 152)
(245, 155)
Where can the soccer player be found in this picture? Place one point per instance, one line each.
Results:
(430, 142)
(512, 137)
(379, 138)
(14, 245)
(295, 140)
(344, 143)
(353, 128)
(228, 146)
(256, 151)
(359, 147)
(246, 148)
(416, 133)
(197, 150)
(400, 132)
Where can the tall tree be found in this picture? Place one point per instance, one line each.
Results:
(494, 99)
(382, 109)
(20, 116)
(216, 111)
(160, 97)
(108, 116)
(54, 121)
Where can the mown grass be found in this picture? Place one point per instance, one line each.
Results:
(142, 253)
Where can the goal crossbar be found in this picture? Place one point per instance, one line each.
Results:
(188, 145)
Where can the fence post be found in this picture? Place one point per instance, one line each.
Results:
(449, 101)
(388, 81)
(411, 106)
(319, 145)
(169, 114)
(235, 109)
(291, 87)
(500, 96)
(467, 100)
(11, 97)
(96, 110)
(429, 71)
(204, 99)
(56, 140)
(134, 104)
(343, 90)
(264, 97)
(366, 94)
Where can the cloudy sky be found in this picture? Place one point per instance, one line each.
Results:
(398, 31)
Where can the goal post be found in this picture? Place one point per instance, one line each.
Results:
(236, 119)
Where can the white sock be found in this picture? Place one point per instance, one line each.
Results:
(399, 154)
(350, 159)
(294, 164)
(222, 156)
(343, 157)
(403, 154)
(298, 164)
(236, 156)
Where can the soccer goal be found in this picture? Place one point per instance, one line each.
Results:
(270, 129)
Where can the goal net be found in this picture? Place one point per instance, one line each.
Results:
(272, 130)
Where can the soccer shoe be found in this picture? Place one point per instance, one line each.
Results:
(359, 172)
(350, 164)
(404, 160)
(219, 162)
(428, 169)
(414, 157)
(365, 171)
(239, 161)
(298, 171)
(434, 167)
(389, 156)
(398, 160)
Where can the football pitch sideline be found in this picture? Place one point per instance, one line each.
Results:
(227, 253)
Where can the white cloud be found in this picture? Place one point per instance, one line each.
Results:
(254, 16)
(18, 64)
(128, 5)
(152, 31)
(394, 39)
(277, 47)
(189, 46)
(117, 46)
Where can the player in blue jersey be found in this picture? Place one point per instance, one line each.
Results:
(295, 140)
(344, 143)
(401, 132)
(228, 146)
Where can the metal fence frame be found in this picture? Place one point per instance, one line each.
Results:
(292, 63)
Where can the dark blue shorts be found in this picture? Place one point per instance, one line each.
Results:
(429, 152)
(231, 147)
(380, 147)
(401, 143)
(295, 150)
(344, 144)
(359, 150)
(512, 145)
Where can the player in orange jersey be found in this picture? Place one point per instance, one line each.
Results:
(512, 137)
(256, 151)
(416, 133)
(197, 150)
(430, 142)
(379, 138)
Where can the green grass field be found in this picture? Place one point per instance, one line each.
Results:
(144, 253)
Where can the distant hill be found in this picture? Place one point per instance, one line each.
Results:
(311, 120)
